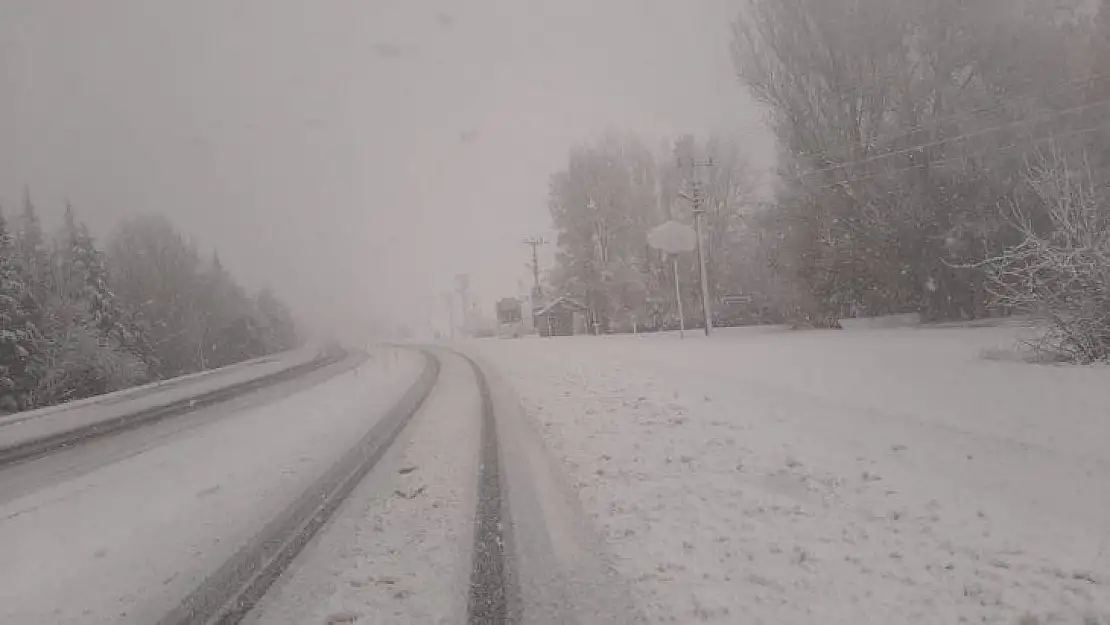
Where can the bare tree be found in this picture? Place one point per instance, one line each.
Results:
(1060, 271)
(903, 123)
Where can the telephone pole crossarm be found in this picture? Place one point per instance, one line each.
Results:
(534, 243)
(697, 200)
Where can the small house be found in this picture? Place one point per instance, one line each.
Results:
(560, 317)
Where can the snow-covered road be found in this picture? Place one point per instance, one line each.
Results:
(882, 476)
(763, 476)
(402, 549)
(399, 549)
(124, 540)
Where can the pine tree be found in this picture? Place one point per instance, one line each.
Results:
(276, 325)
(229, 327)
(18, 334)
(30, 246)
(89, 275)
(84, 347)
(154, 271)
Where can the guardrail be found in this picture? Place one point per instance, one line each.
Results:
(38, 432)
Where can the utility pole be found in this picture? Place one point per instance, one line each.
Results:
(462, 287)
(678, 299)
(699, 211)
(602, 261)
(537, 292)
(449, 302)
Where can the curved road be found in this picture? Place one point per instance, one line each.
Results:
(122, 529)
(314, 501)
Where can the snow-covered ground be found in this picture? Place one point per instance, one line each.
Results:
(125, 542)
(880, 476)
(398, 550)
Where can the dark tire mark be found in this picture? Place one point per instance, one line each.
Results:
(493, 597)
(227, 595)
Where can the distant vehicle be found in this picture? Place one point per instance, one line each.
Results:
(510, 318)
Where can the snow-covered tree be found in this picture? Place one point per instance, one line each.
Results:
(602, 205)
(902, 125)
(156, 275)
(19, 337)
(276, 324)
(30, 246)
(195, 315)
(76, 322)
(89, 273)
(227, 321)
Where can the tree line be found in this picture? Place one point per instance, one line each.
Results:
(78, 320)
(944, 157)
(612, 193)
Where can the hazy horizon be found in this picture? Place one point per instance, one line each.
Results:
(355, 156)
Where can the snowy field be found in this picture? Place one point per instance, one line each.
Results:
(878, 476)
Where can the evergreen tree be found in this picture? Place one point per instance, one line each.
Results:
(277, 329)
(154, 272)
(228, 324)
(88, 272)
(30, 246)
(75, 322)
(18, 334)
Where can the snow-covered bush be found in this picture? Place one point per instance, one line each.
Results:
(1060, 271)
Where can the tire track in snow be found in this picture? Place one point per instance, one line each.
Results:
(227, 595)
(493, 598)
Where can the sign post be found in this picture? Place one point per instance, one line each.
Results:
(673, 237)
(678, 298)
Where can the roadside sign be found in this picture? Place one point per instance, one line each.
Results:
(738, 299)
(673, 237)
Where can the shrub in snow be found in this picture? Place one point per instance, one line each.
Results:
(1060, 271)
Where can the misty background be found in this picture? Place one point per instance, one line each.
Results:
(353, 155)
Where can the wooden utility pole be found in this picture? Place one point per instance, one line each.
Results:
(698, 201)
(449, 302)
(537, 292)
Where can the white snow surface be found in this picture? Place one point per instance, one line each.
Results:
(126, 542)
(35, 424)
(878, 476)
(399, 549)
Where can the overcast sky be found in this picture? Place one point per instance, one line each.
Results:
(354, 154)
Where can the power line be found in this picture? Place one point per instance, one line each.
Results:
(940, 142)
(932, 124)
(943, 161)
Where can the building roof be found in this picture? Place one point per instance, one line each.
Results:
(508, 303)
(561, 302)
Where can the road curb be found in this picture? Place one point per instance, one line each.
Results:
(27, 450)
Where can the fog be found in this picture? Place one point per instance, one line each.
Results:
(823, 323)
(354, 155)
